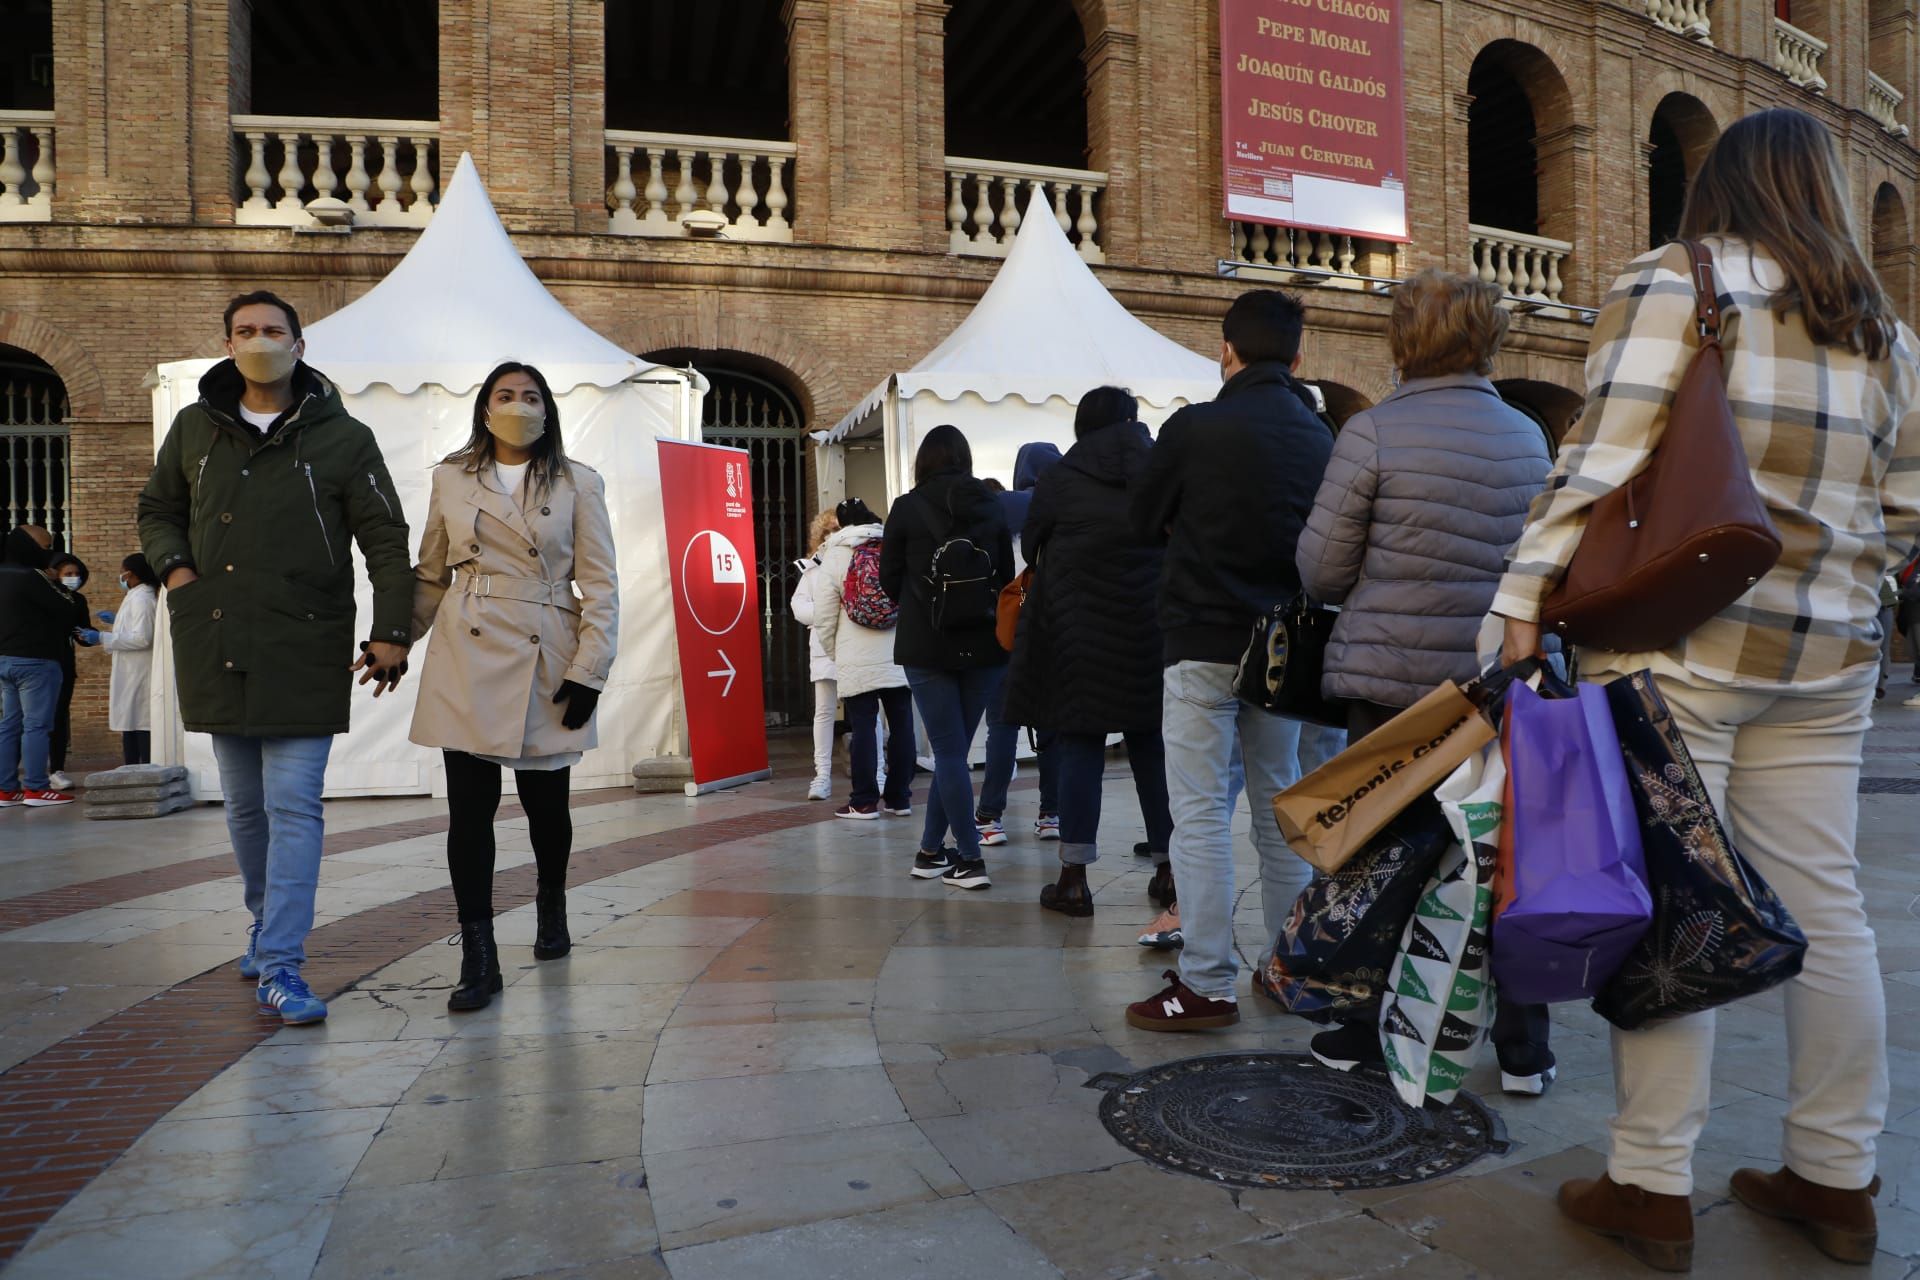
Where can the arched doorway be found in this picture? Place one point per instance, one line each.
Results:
(1554, 407)
(1682, 133)
(712, 70)
(33, 444)
(751, 405)
(1341, 400)
(1893, 247)
(1520, 175)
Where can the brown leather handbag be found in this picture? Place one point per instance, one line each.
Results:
(1685, 538)
(1013, 598)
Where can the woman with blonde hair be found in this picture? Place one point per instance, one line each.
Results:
(1773, 693)
(1423, 497)
(820, 668)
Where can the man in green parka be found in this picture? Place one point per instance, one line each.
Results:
(257, 492)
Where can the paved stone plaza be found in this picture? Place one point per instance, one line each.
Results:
(771, 1053)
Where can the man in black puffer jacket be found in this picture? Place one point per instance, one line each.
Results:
(1085, 664)
(1228, 489)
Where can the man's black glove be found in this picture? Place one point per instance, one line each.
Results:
(580, 702)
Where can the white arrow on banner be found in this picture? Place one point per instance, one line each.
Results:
(726, 672)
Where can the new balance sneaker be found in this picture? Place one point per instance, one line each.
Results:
(286, 993)
(1528, 1086)
(59, 781)
(991, 832)
(250, 962)
(12, 799)
(1349, 1045)
(858, 812)
(820, 789)
(1164, 933)
(44, 799)
(931, 866)
(1179, 1009)
(967, 875)
(904, 811)
(1047, 826)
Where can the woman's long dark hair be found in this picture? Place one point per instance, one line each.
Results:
(142, 571)
(1774, 179)
(549, 453)
(945, 451)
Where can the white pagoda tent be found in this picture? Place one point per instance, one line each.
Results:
(409, 357)
(1045, 333)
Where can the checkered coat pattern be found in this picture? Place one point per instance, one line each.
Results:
(1833, 440)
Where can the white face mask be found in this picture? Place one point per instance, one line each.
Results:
(517, 424)
(262, 361)
(71, 581)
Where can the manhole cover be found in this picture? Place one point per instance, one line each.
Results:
(1282, 1120)
(1890, 786)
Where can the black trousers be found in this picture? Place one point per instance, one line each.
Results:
(862, 708)
(62, 724)
(473, 798)
(136, 746)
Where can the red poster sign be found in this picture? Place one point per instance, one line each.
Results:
(1313, 115)
(707, 499)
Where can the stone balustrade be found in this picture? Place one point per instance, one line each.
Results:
(1683, 17)
(1321, 257)
(1797, 55)
(987, 199)
(1525, 267)
(660, 178)
(1883, 104)
(26, 166)
(383, 169)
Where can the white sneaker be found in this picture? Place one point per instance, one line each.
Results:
(1528, 1086)
(821, 789)
(59, 781)
(1913, 702)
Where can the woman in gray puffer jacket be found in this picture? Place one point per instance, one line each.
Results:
(1425, 495)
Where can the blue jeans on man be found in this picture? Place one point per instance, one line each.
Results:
(951, 704)
(1217, 746)
(29, 693)
(272, 788)
(1083, 771)
(1003, 745)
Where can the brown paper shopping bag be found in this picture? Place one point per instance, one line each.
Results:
(1331, 813)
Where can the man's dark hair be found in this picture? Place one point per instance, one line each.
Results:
(945, 451)
(262, 297)
(136, 564)
(1104, 407)
(1265, 324)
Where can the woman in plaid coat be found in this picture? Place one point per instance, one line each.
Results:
(1774, 693)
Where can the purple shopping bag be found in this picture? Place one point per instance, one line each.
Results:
(1580, 899)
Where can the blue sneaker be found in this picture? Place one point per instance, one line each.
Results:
(285, 992)
(250, 962)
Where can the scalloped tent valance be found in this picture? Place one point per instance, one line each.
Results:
(461, 302)
(1047, 328)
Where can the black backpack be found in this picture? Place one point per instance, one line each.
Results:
(962, 593)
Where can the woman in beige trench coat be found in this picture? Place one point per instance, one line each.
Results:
(516, 579)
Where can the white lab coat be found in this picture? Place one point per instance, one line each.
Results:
(131, 644)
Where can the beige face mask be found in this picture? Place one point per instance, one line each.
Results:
(263, 361)
(517, 424)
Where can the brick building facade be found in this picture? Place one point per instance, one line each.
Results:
(147, 172)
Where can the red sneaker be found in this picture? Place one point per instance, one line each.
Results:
(1179, 1009)
(44, 799)
(12, 799)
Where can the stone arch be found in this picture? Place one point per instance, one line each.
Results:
(1553, 406)
(1680, 133)
(1342, 400)
(816, 382)
(1018, 84)
(1519, 99)
(86, 389)
(1891, 241)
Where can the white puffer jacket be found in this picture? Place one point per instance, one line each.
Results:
(862, 655)
(806, 613)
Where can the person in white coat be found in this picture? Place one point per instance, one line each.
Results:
(131, 644)
(869, 679)
(826, 694)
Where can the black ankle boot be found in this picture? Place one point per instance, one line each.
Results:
(1160, 888)
(550, 940)
(479, 968)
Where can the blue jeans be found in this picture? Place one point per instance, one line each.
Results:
(1216, 745)
(1083, 767)
(1319, 744)
(29, 693)
(951, 704)
(1003, 742)
(272, 786)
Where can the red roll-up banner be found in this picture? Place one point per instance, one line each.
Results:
(707, 501)
(1313, 115)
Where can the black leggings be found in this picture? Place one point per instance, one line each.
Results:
(473, 797)
(136, 746)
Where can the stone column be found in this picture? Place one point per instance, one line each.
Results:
(1113, 139)
(807, 115)
(928, 153)
(1566, 177)
(510, 93)
(123, 111)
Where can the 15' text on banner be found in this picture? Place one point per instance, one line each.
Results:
(707, 502)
